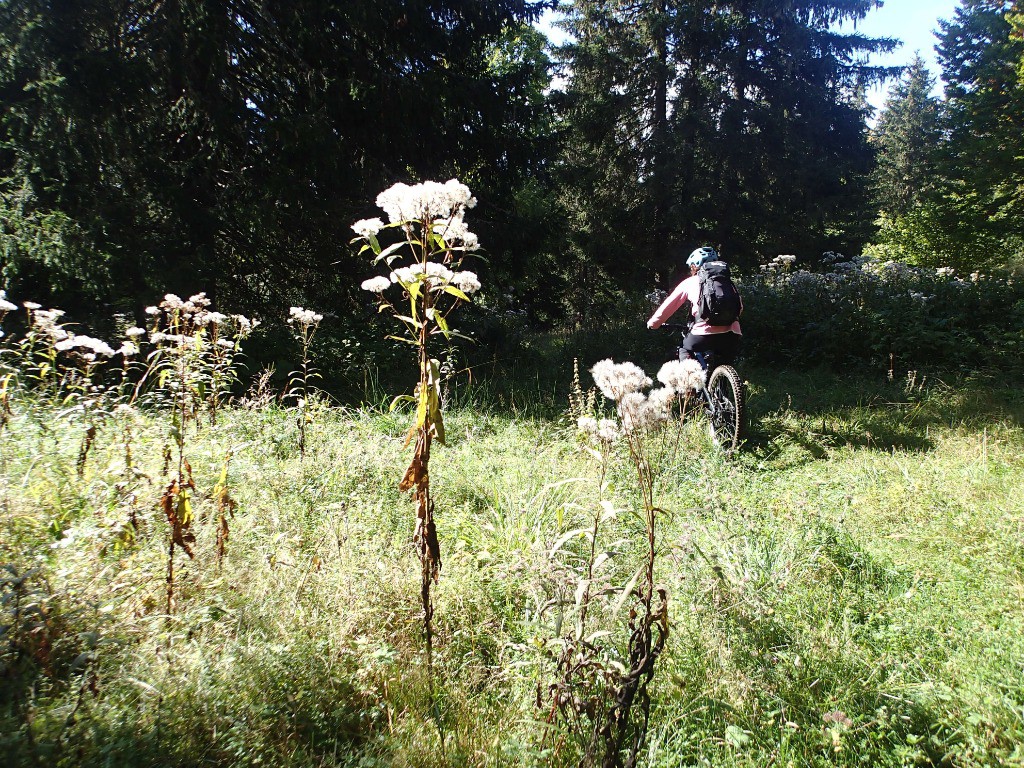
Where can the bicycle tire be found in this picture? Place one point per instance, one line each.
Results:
(727, 408)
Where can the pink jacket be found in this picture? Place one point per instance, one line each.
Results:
(689, 291)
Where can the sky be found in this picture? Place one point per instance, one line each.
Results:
(912, 21)
(915, 23)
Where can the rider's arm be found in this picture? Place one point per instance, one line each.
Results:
(669, 306)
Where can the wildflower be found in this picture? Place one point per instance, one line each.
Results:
(304, 316)
(429, 200)
(31, 305)
(634, 411)
(376, 284)
(131, 333)
(95, 346)
(682, 376)
(617, 380)
(945, 271)
(45, 321)
(128, 349)
(5, 305)
(213, 318)
(225, 343)
(245, 325)
(784, 259)
(368, 227)
(403, 275)
(199, 300)
(152, 310)
(587, 425)
(437, 274)
(172, 302)
(466, 282)
(608, 430)
(454, 229)
(660, 402)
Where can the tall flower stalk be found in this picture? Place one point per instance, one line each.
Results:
(304, 323)
(622, 728)
(183, 337)
(424, 244)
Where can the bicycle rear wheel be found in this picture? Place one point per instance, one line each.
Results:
(726, 407)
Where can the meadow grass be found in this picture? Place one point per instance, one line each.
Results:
(844, 591)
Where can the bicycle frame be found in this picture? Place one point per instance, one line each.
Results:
(723, 396)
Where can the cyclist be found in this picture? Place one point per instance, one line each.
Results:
(722, 341)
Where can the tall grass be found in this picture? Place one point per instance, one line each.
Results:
(846, 590)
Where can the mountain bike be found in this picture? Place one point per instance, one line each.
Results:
(724, 399)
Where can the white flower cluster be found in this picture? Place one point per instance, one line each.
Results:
(5, 305)
(782, 261)
(174, 339)
(616, 380)
(47, 321)
(305, 317)
(368, 227)
(945, 271)
(605, 430)
(682, 376)
(91, 346)
(377, 284)
(623, 382)
(454, 229)
(196, 314)
(436, 276)
(194, 304)
(429, 200)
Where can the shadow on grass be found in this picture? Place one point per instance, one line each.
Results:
(818, 411)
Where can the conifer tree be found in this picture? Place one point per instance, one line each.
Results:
(906, 139)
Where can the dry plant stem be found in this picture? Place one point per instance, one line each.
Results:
(649, 630)
(417, 479)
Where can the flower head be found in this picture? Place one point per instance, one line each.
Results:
(93, 346)
(5, 305)
(660, 402)
(466, 282)
(376, 284)
(608, 430)
(403, 275)
(429, 200)
(682, 376)
(131, 333)
(634, 411)
(368, 227)
(304, 316)
(245, 325)
(616, 380)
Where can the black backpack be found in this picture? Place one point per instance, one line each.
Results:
(719, 302)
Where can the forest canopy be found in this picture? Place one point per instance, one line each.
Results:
(225, 147)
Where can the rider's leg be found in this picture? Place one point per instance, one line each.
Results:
(724, 347)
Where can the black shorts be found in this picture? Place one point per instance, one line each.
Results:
(724, 347)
